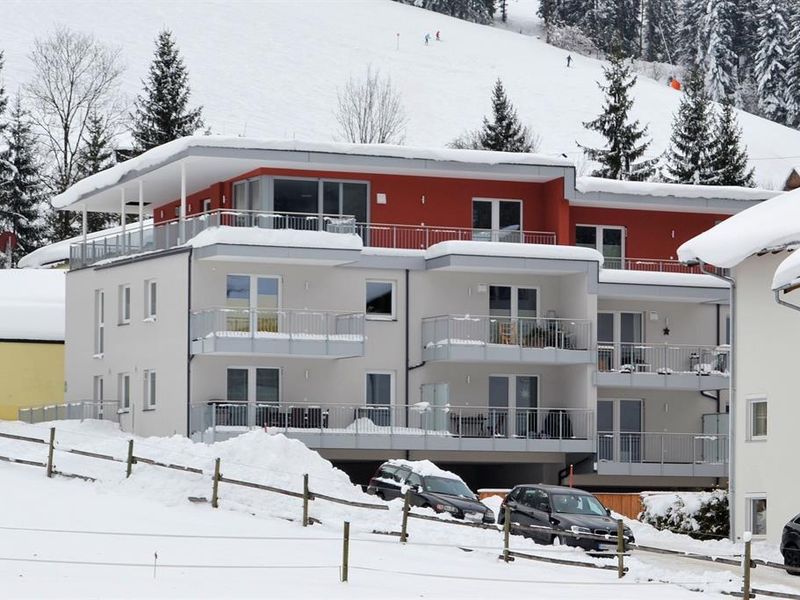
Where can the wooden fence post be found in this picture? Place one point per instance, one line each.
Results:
(50, 452)
(506, 532)
(620, 549)
(305, 500)
(215, 486)
(345, 550)
(129, 465)
(406, 508)
(747, 537)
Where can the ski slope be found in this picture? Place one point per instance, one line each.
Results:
(69, 538)
(272, 68)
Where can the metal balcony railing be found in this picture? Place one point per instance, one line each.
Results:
(415, 420)
(421, 237)
(662, 359)
(662, 448)
(526, 332)
(278, 323)
(86, 409)
(659, 265)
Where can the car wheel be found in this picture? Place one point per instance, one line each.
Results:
(792, 559)
(557, 540)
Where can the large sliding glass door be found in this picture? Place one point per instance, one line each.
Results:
(253, 396)
(620, 339)
(609, 241)
(513, 400)
(252, 304)
(513, 311)
(497, 220)
(619, 428)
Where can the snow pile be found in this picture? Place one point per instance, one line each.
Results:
(703, 515)
(32, 304)
(424, 468)
(770, 225)
(787, 275)
(511, 250)
(661, 278)
(595, 185)
(283, 238)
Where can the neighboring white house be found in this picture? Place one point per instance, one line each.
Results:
(757, 245)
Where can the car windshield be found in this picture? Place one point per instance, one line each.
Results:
(451, 487)
(577, 504)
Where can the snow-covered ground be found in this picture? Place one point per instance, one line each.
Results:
(272, 68)
(254, 546)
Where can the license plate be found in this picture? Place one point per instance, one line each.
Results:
(475, 517)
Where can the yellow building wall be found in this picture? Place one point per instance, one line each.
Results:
(31, 374)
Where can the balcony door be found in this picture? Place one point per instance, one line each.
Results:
(253, 395)
(619, 427)
(608, 241)
(497, 220)
(619, 337)
(513, 310)
(252, 304)
(513, 400)
(437, 397)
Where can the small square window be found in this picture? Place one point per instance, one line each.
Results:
(757, 419)
(124, 392)
(149, 390)
(150, 299)
(757, 515)
(207, 205)
(124, 304)
(380, 301)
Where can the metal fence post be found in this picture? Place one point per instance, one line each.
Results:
(129, 466)
(406, 508)
(305, 500)
(748, 537)
(215, 486)
(345, 550)
(506, 532)
(620, 550)
(50, 452)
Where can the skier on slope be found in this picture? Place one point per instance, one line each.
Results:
(438, 39)
(427, 38)
(569, 60)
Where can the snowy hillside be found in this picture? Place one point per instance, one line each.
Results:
(70, 538)
(271, 69)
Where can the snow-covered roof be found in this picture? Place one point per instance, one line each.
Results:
(660, 278)
(773, 224)
(32, 304)
(645, 195)
(58, 252)
(787, 275)
(513, 250)
(216, 158)
(284, 238)
(425, 468)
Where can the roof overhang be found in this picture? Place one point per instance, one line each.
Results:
(720, 206)
(206, 161)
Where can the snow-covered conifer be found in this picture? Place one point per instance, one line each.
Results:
(720, 58)
(729, 158)
(504, 132)
(772, 58)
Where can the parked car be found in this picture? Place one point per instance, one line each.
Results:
(563, 509)
(790, 544)
(431, 487)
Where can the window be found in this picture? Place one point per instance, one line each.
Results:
(379, 396)
(414, 480)
(207, 205)
(124, 304)
(757, 515)
(380, 300)
(97, 388)
(497, 220)
(609, 241)
(99, 322)
(149, 390)
(267, 385)
(255, 302)
(150, 299)
(757, 418)
(124, 391)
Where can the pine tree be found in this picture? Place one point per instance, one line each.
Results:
(771, 61)
(162, 112)
(625, 140)
(478, 11)
(728, 158)
(691, 46)
(745, 37)
(505, 132)
(617, 26)
(22, 196)
(720, 60)
(96, 154)
(660, 35)
(5, 166)
(688, 159)
(793, 72)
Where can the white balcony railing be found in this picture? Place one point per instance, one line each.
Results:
(420, 419)
(662, 359)
(662, 448)
(659, 265)
(446, 331)
(421, 237)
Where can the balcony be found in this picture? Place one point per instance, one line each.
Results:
(662, 454)
(308, 333)
(656, 265)
(662, 366)
(140, 238)
(417, 427)
(466, 338)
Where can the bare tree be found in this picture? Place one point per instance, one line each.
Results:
(75, 76)
(370, 110)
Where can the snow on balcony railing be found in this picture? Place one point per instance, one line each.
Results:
(658, 265)
(662, 447)
(278, 323)
(662, 359)
(526, 332)
(417, 419)
(422, 237)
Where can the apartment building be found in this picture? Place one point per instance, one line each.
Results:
(758, 247)
(469, 307)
